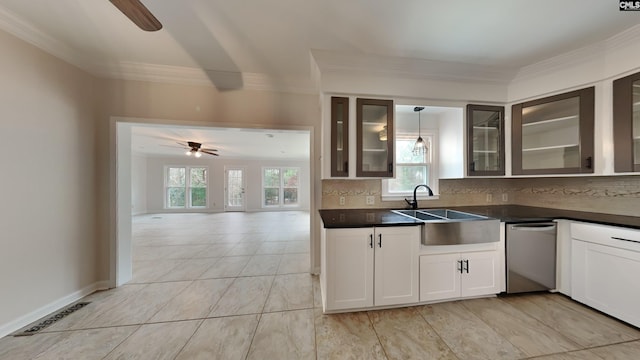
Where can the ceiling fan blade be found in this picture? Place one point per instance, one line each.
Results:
(209, 152)
(207, 149)
(138, 13)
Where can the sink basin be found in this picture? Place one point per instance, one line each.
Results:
(453, 214)
(453, 227)
(418, 215)
(439, 215)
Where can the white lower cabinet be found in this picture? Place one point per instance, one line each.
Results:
(455, 275)
(604, 269)
(367, 267)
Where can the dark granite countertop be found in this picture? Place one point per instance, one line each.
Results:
(354, 218)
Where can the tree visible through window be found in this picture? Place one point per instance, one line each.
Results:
(290, 186)
(176, 187)
(184, 191)
(271, 186)
(198, 187)
(280, 186)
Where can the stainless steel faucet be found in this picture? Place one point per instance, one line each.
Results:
(414, 203)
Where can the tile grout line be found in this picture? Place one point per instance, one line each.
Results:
(384, 350)
(436, 331)
(255, 330)
(189, 339)
(123, 340)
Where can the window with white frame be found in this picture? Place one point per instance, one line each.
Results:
(185, 187)
(412, 169)
(280, 186)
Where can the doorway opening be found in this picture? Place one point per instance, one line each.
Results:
(142, 149)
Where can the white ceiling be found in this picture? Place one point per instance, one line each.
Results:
(277, 41)
(161, 140)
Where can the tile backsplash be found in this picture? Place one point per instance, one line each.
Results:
(608, 194)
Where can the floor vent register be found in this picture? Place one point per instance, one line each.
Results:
(52, 319)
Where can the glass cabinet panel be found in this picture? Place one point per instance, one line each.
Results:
(339, 136)
(554, 135)
(551, 135)
(485, 128)
(375, 138)
(626, 123)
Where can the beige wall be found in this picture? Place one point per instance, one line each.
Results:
(607, 194)
(48, 245)
(57, 212)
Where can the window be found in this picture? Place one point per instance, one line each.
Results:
(280, 186)
(186, 187)
(412, 169)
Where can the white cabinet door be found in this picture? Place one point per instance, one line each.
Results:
(605, 277)
(454, 275)
(396, 265)
(479, 274)
(348, 271)
(439, 277)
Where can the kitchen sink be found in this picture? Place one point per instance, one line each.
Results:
(454, 214)
(453, 227)
(418, 215)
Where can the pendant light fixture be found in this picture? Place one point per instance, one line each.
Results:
(420, 147)
(382, 135)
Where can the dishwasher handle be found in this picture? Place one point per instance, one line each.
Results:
(533, 227)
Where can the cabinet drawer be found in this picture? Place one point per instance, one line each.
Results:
(618, 237)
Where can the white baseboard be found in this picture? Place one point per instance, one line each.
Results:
(22, 321)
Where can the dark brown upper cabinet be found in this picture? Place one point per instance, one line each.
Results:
(485, 145)
(375, 139)
(626, 123)
(339, 137)
(554, 135)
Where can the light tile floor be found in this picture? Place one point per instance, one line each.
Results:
(237, 286)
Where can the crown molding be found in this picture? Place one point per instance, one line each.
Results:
(624, 39)
(594, 52)
(25, 31)
(410, 68)
(223, 80)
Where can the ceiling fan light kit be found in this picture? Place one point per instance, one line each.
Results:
(196, 149)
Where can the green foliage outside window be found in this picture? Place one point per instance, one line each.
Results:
(176, 197)
(179, 185)
(411, 169)
(281, 183)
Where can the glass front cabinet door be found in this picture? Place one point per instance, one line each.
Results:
(485, 134)
(554, 135)
(626, 123)
(374, 127)
(339, 136)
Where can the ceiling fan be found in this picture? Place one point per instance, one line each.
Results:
(196, 149)
(138, 13)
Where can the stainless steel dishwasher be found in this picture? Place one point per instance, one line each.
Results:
(531, 257)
